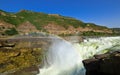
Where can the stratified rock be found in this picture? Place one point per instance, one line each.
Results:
(20, 60)
(6, 44)
(33, 70)
(104, 64)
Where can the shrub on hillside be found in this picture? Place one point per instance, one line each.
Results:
(11, 31)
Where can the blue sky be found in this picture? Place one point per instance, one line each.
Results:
(101, 12)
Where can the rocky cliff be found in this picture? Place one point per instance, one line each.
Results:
(104, 64)
(21, 56)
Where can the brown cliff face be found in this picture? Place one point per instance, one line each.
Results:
(5, 26)
(28, 21)
(26, 27)
(52, 28)
(57, 29)
(2, 13)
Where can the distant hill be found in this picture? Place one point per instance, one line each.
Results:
(116, 30)
(26, 21)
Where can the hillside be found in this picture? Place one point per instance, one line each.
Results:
(116, 31)
(26, 21)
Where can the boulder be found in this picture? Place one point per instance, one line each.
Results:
(91, 64)
(104, 64)
(6, 44)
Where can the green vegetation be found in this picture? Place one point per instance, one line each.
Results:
(65, 34)
(92, 33)
(92, 25)
(40, 19)
(11, 31)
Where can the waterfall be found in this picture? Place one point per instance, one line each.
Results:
(64, 58)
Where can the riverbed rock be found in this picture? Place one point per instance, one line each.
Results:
(32, 70)
(90, 63)
(104, 64)
(20, 60)
(6, 44)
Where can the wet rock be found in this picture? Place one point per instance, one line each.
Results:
(101, 56)
(90, 63)
(32, 70)
(104, 64)
(91, 66)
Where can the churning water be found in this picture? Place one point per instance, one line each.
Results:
(64, 58)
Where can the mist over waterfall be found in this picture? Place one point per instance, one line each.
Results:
(62, 59)
(65, 58)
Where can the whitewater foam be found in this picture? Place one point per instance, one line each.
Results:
(64, 58)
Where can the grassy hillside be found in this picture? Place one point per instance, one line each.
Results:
(39, 20)
(116, 31)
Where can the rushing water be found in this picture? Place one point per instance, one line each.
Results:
(64, 58)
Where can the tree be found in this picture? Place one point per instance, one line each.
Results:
(11, 31)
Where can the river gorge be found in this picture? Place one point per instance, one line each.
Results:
(61, 57)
